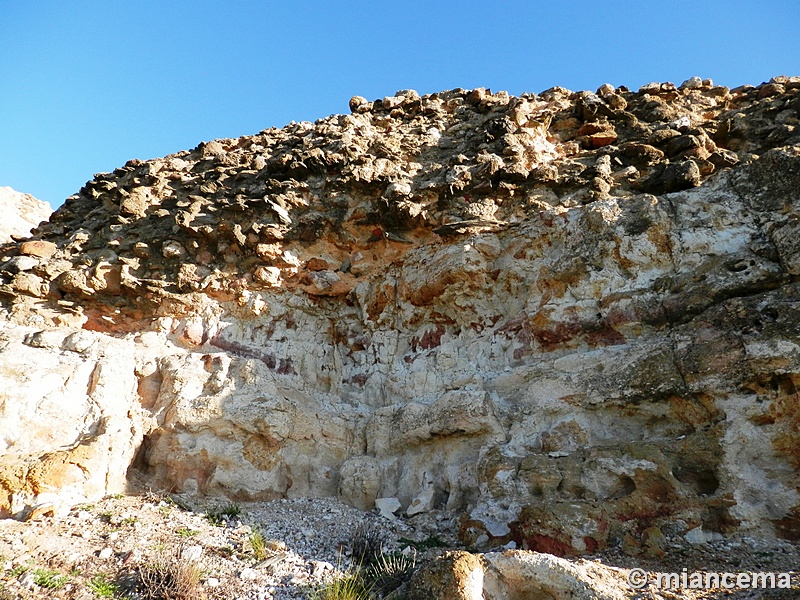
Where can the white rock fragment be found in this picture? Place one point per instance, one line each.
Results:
(422, 503)
(387, 506)
(192, 553)
(172, 249)
(698, 536)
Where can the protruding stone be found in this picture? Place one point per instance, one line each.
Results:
(38, 248)
(453, 575)
(422, 503)
(358, 104)
(693, 83)
(17, 264)
(391, 102)
(173, 249)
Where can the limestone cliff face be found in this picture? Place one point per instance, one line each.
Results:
(21, 213)
(563, 317)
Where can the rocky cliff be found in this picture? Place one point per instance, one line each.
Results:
(558, 319)
(21, 213)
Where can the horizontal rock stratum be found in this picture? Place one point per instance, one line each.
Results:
(566, 317)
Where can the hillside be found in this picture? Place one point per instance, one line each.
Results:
(554, 321)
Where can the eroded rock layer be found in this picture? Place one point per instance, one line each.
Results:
(565, 318)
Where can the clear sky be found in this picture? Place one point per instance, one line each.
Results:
(89, 84)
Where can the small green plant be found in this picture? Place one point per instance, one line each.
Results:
(17, 571)
(259, 544)
(186, 532)
(431, 542)
(130, 521)
(102, 587)
(168, 576)
(218, 517)
(214, 519)
(51, 580)
(347, 586)
(116, 496)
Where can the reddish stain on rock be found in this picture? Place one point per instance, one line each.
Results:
(549, 545)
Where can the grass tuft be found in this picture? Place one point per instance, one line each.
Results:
(348, 586)
(167, 576)
(259, 544)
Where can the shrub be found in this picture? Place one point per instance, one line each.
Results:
(168, 576)
(367, 543)
(390, 571)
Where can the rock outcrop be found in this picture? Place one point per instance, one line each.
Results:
(21, 213)
(517, 575)
(566, 318)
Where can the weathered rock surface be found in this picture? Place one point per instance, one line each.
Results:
(21, 213)
(517, 575)
(565, 317)
(70, 417)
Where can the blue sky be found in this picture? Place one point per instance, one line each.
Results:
(87, 85)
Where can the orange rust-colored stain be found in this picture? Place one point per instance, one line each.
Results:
(261, 451)
(660, 240)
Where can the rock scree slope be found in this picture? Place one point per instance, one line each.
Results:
(563, 317)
